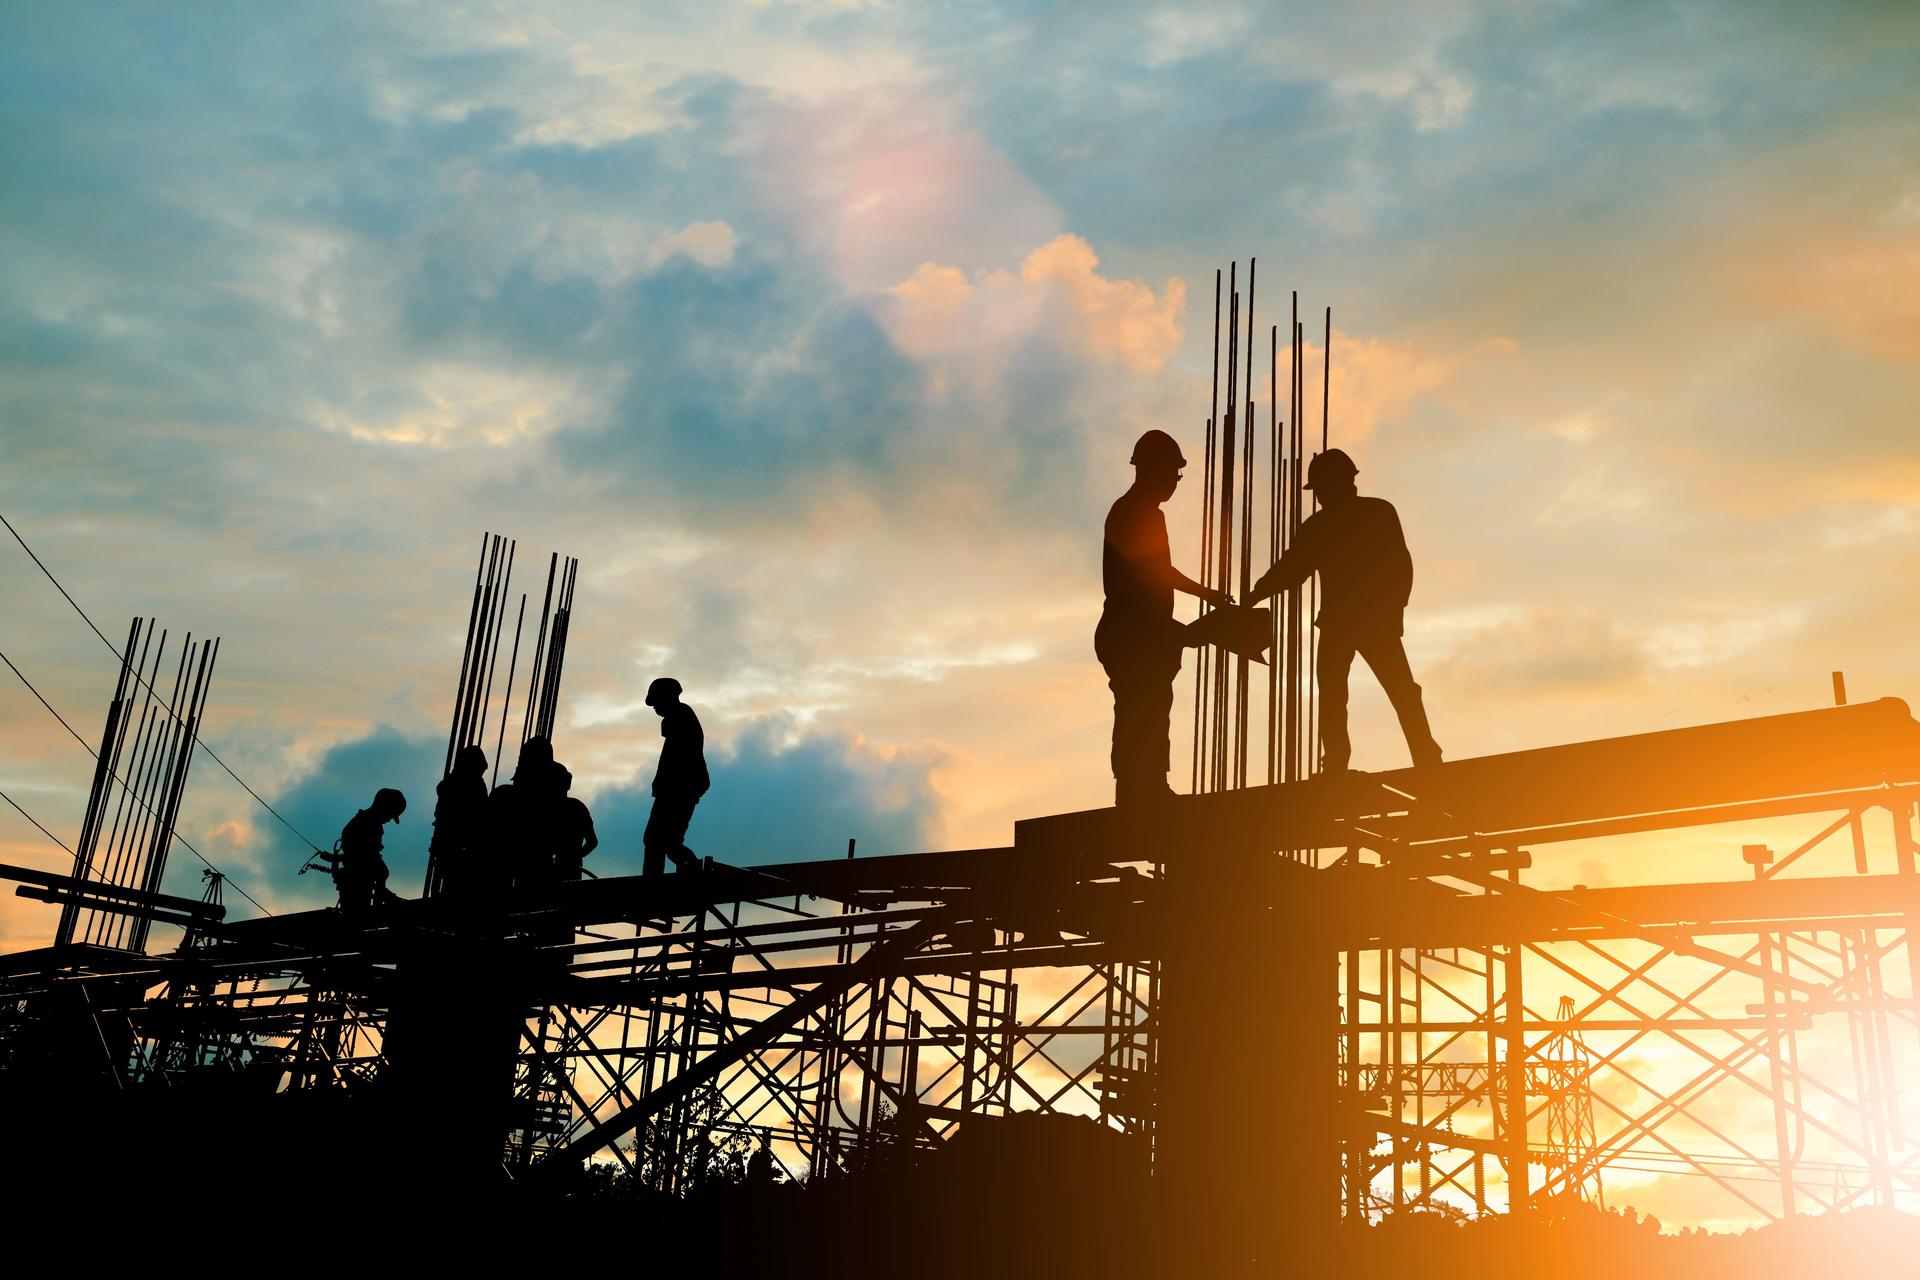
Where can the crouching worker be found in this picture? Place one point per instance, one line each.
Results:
(359, 872)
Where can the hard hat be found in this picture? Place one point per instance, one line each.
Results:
(1332, 464)
(664, 687)
(1157, 449)
(389, 801)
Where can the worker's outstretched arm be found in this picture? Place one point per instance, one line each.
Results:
(1294, 568)
(1217, 598)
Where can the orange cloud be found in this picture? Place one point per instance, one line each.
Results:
(939, 311)
(1865, 288)
(1120, 319)
(1373, 380)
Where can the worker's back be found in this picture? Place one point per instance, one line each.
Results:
(683, 760)
(459, 814)
(1366, 575)
(360, 840)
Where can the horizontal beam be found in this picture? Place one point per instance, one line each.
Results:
(90, 889)
(1741, 768)
(683, 981)
(1375, 913)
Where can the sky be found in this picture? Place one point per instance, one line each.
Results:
(820, 333)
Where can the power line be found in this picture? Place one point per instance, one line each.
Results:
(117, 778)
(198, 741)
(43, 702)
(36, 822)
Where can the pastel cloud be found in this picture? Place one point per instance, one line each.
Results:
(884, 180)
(820, 336)
(450, 404)
(1864, 285)
(1373, 380)
(940, 312)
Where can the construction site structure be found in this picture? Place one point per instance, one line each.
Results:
(1494, 985)
(1287, 1039)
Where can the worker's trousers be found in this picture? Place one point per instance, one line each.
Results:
(666, 834)
(362, 885)
(1142, 708)
(1387, 657)
(1141, 656)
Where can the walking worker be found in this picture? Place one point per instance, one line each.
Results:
(679, 781)
(359, 872)
(1138, 641)
(1366, 577)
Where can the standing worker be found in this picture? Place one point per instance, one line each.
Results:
(458, 820)
(1138, 642)
(359, 872)
(519, 815)
(574, 836)
(1366, 576)
(679, 781)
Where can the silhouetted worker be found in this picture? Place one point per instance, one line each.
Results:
(762, 1169)
(1138, 642)
(459, 818)
(519, 816)
(359, 872)
(1366, 576)
(679, 781)
(574, 837)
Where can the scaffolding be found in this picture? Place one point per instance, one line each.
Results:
(1295, 1002)
(844, 1008)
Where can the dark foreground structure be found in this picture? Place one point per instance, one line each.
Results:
(1275, 1008)
(1306, 1027)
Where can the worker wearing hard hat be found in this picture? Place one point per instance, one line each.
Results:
(1138, 642)
(359, 872)
(1356, 546)
(678, 782)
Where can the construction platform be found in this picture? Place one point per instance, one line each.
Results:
(1296, 1001)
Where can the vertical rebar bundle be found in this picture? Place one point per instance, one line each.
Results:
(486, 625)
(550, 651)
(140, 776)
(474, 692)
(1237, 496)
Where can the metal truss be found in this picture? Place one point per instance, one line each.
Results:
(1772, 1058)
(1402, 1010)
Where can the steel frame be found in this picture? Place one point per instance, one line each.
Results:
(1651, 1055)
(1755, 1033)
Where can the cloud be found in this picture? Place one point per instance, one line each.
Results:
(880, 181)
(1863, 285)
(342, 782)
(710, 244)
(1541, 652)
(452, 403)
(1373, 380)
(747, 385)
(781, 794)
(940, 312)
